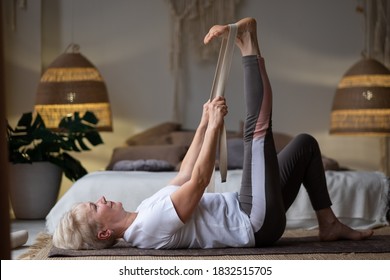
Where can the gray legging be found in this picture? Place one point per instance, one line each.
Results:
(271, 182)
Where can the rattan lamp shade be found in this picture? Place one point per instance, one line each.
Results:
(362, 101)
(71, 84)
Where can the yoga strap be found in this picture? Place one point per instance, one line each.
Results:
(218, 89)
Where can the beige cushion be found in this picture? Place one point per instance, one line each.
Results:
(157, 135)
(330, 164)
(182, 138)
(281, 140)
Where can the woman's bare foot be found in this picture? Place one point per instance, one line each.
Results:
(246, 35)
(331, 229)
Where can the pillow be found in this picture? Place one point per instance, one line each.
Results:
(143, 165)
(281, 140)
(235, 154)
(235, 150)
(156, 135)
(182, 138)
(330, 164)
(170, 153)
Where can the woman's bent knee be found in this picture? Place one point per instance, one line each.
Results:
(306, 139)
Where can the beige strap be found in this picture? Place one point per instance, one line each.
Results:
(218, 89)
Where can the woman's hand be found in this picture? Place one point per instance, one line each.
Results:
(205, 114)
(216, 110)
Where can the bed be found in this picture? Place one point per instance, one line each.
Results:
(148, 161)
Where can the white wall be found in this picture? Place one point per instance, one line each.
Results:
(308, 46)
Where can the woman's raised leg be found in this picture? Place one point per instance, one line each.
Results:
(260, 193)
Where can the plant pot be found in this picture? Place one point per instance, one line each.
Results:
(34, 188)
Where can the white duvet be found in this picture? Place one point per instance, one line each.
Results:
(360, 199)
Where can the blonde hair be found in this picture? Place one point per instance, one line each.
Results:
(76, 231)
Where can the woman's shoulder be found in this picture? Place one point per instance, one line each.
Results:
(159, 195)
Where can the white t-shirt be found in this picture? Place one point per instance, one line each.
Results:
(218, 221)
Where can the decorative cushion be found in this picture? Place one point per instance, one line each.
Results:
(281, 140)
(157, 135)
(330, 164)
(235, 149)
(143, 165)
(170, 153)
(182, 138)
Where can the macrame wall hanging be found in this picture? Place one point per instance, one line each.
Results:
(191, 20)
(377, 16)
(15, 5)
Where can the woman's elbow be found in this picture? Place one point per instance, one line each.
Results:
(201, 181)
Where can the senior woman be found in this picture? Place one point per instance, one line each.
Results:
(182, 215)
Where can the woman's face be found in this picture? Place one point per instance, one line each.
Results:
(105, 212)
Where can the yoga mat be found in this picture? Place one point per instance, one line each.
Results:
(286, 245)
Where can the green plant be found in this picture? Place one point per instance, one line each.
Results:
(30, 141)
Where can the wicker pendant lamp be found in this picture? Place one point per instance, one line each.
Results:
(71, 84)
(362, 101)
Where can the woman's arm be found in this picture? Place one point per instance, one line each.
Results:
(186, 198)
(192, 154)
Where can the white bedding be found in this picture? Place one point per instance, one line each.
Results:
(359, 198)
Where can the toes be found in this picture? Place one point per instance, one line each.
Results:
(215, 31)
(367, 234)
(209, 36)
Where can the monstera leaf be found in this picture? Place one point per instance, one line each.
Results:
(30, 141)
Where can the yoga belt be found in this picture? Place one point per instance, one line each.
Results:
(218, 89)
